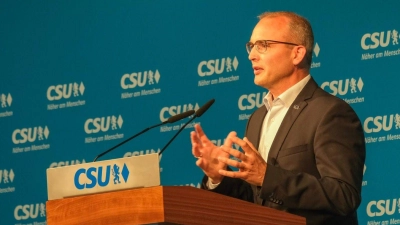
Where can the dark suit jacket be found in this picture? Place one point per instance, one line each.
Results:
(315, 164)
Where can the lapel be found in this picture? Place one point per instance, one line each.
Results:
(259, 117)
(294, 111)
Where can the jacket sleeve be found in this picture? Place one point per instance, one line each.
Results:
(231, 187)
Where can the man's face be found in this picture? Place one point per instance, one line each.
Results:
(273, 68)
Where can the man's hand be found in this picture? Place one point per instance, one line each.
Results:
(207, 153)
(251, 165)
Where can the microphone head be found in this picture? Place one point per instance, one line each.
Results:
(180, 116)
(204, 108)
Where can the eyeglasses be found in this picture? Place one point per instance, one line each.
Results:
(262, 45)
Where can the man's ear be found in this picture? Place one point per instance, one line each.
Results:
(299, 54)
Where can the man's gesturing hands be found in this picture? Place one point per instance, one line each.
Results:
(213, 160)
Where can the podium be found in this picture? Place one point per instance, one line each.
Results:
(162, 205)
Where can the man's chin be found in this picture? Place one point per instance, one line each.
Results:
(260, 83)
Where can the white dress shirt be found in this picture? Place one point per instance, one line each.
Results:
(277, 109)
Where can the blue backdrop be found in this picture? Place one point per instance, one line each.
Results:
(78, 77)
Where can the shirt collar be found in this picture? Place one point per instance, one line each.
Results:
(287, 97)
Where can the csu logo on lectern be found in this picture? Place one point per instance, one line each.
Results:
(100, 176)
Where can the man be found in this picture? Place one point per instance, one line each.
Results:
(304, 151)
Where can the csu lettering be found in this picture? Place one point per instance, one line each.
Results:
(251, 101)
(21, 136)
(57, 92)
(342, 87)
(377, 123)
(102, 124)
(94, 176)
(374, 40)
(217, 66)
(381, 207)
(139, 79)
(23, 212)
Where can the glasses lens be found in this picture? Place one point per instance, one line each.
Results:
(249, 46)
(261, 46)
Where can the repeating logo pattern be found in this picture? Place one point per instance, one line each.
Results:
(30, 211)
(79, 106)
(383, 207)
(208, 69)
(247, 103)
(139, 80)
(63, 92)
(380, 40)
(6, 176)
(31, 135)
(346, 88)
(382, 128)
(103, 125)
(5, 102)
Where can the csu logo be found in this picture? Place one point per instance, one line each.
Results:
(6, 176)
(139, 79)
(95, 125)
(382, 39)
(30, 211)
(251, 101)
(377, 123)
(218, 66)
(342, 87)
(93, 176)
(383, 207)
(57, 92)
(167, 112)
(5, 100)
(21, 136)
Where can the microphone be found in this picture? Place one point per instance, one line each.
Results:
(172, 119)
(198, 113)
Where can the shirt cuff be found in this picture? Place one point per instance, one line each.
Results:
(210, 185)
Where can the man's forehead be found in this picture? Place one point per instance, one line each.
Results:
(269, 28)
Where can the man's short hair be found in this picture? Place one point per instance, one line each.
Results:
(300, 31)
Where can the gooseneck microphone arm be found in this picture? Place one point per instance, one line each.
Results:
(179, 131)
(169, 120)
(198, 113)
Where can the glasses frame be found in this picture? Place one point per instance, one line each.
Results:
(250, 45)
